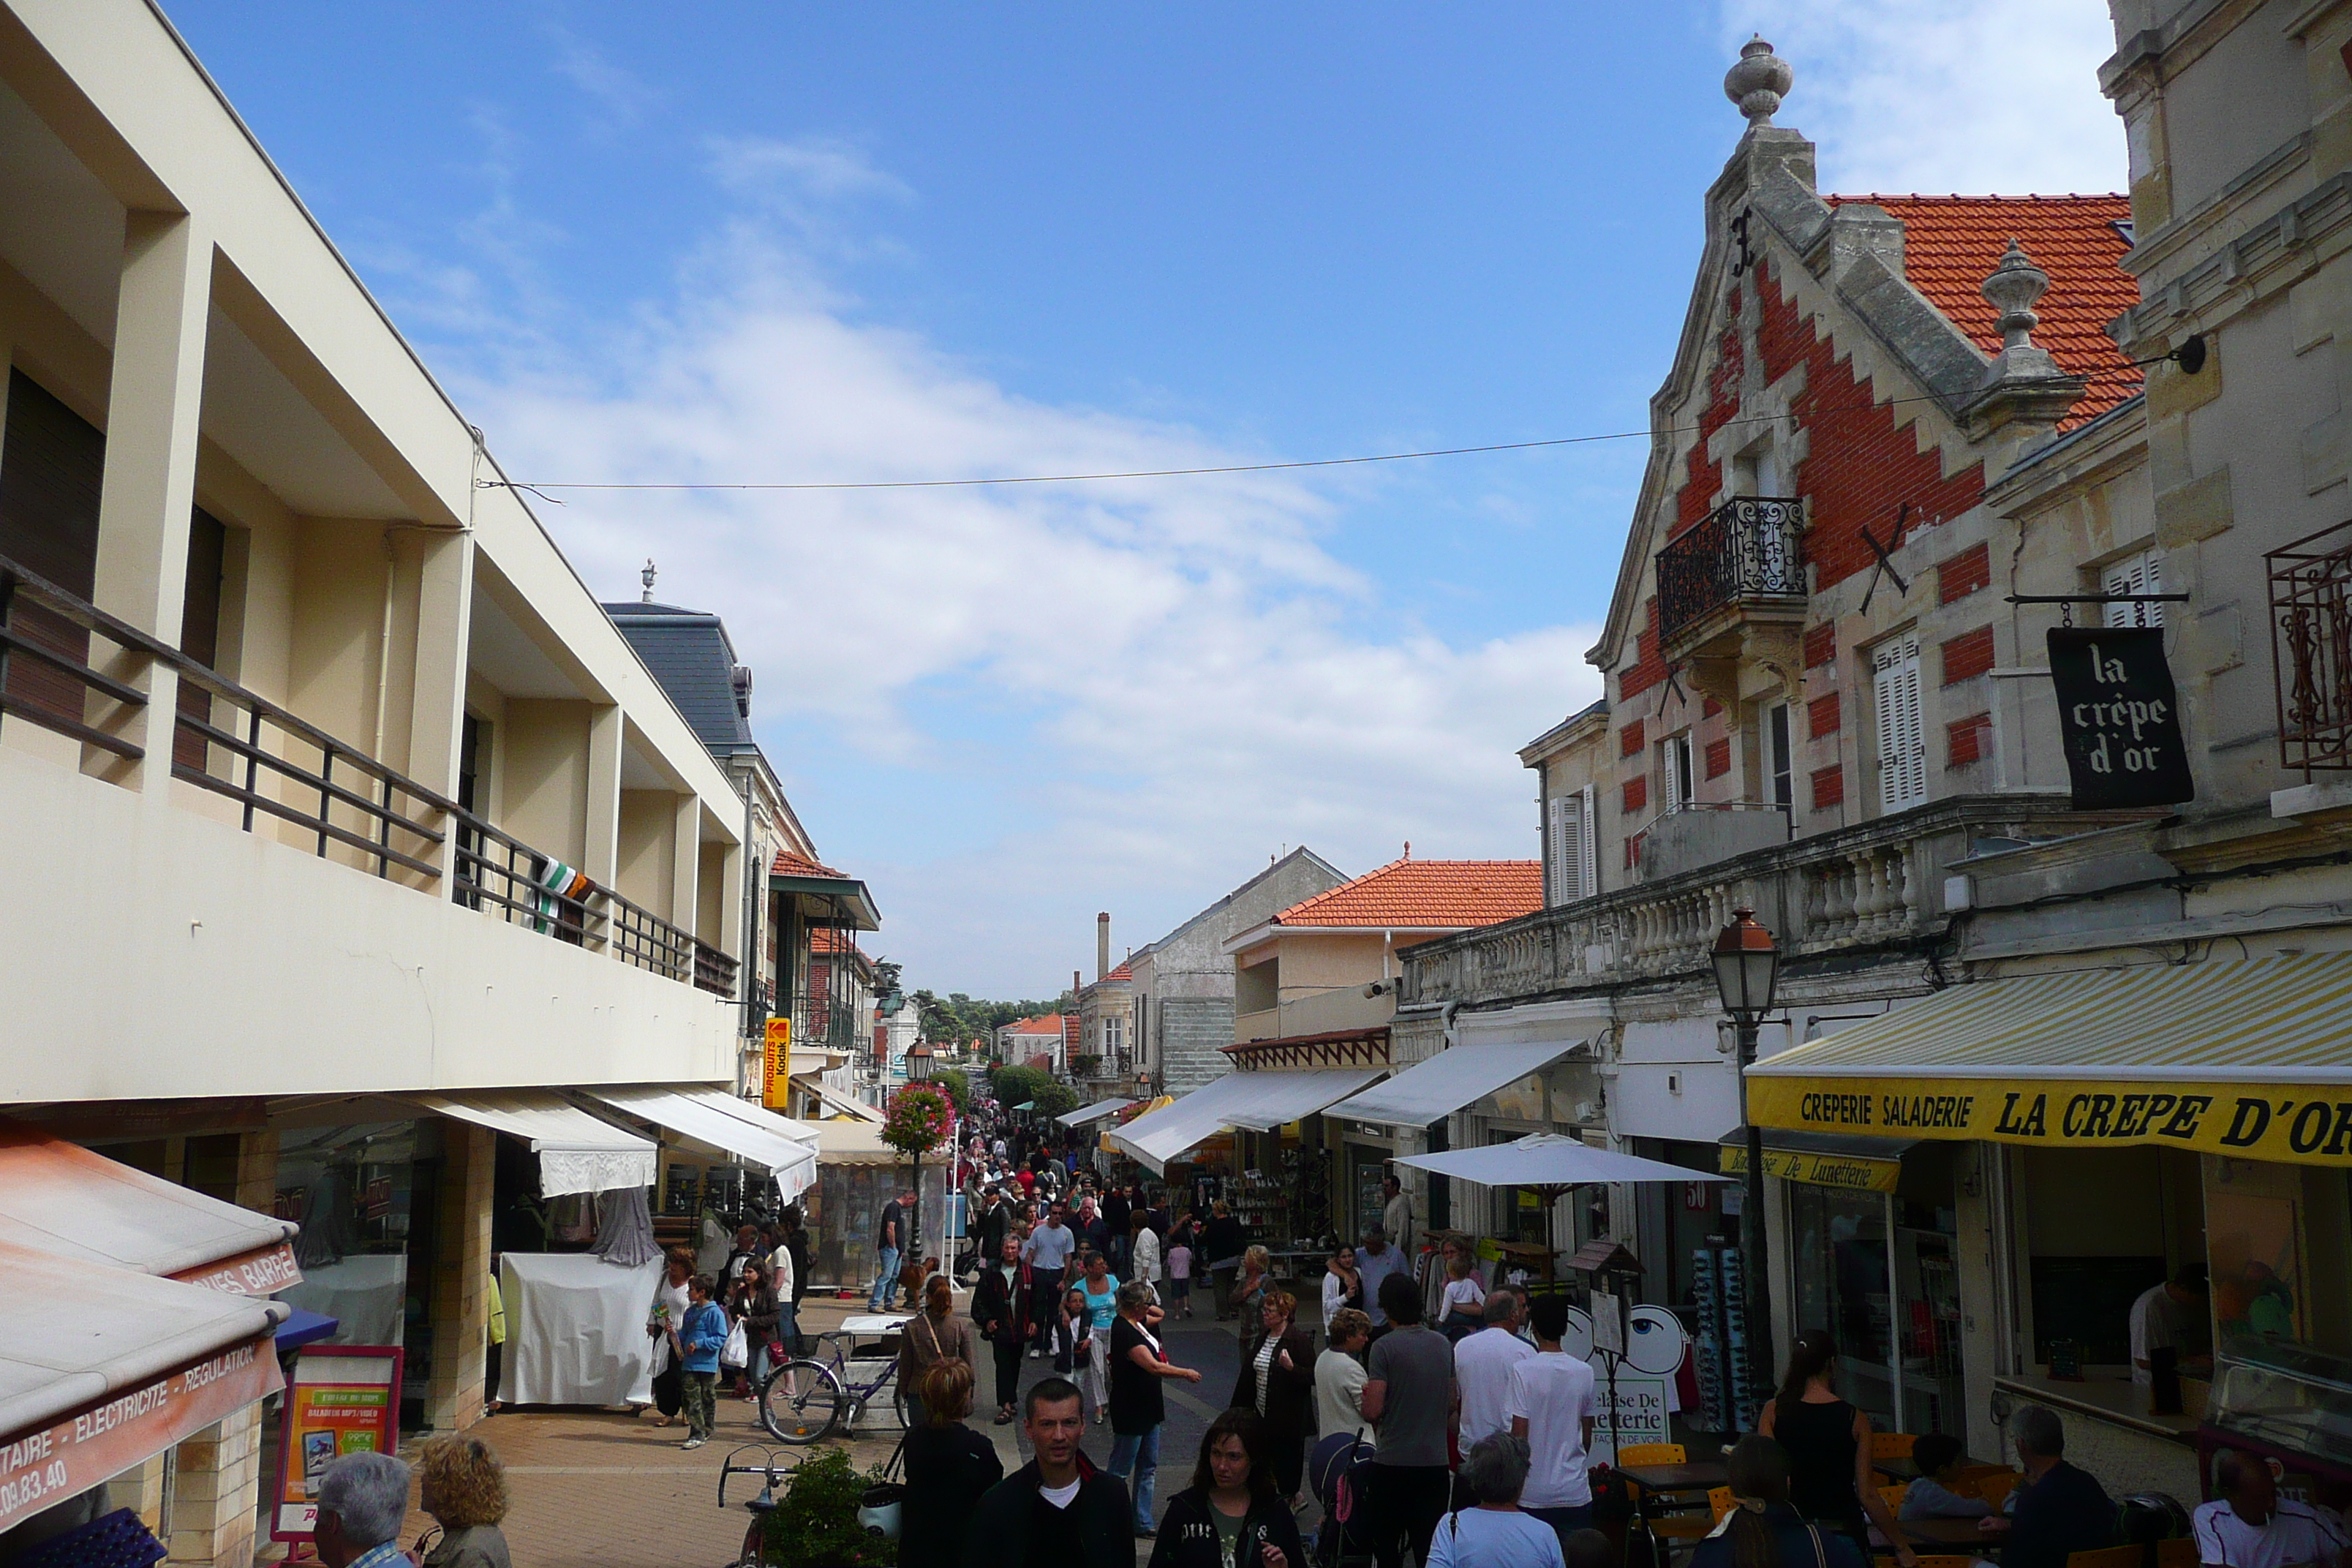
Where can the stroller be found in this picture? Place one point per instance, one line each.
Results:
(1339, 1469)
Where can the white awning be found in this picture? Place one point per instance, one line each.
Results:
(1095, 1112)
(1450, 1080)
(106, 1367)
(577, 1152)
(1256, 1100)
(834, 1100)
(60, 1198)
(726, 1122)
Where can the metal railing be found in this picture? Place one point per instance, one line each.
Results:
(523, 886)
(714, 971)
(1749, 547)
(2310, 649)
(334, 792)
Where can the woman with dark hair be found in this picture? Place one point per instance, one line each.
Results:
(949, 1466)
(1765, 1530)
(752, 1300)
(1825, 1448)
(1277, 1380)
(667, 1316)
(1232, 1513)
(933, 1335)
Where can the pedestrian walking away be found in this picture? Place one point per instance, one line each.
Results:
(1376, 1262)
(362, 1499)
(1483, 1363)
(1221, 1244)
(1409, 1399)
(1827, 1440)
(699, 1340)
(1139, 1406)
(1488, 1529)
(1277, 1380)
(933, 1335)
(1057, 1510)
(1000, 1303)
(464, 1488)
(1232, 1515)
(1549, 1399)
(950, 1467)
(889, 1238)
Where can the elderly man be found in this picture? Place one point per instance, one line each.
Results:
(1481, 1367)
(2057, 1509)
(363, 1497)
(2249, 1526)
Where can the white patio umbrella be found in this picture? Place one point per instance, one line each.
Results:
(1550, 1162)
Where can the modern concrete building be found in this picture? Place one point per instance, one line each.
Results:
(339, 828)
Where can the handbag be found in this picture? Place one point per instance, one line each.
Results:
(737, 1351)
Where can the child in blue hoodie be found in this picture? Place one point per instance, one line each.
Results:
(701, 1338)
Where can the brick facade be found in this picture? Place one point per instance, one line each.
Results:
(1963, 574)
(1631, 739)
(1967, 740)
(1968, 654)
(1821, 646)
(1828, 787)
(1821, 717)
(1718, 757)
(1637, 795)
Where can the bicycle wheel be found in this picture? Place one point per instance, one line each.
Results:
(801, 1402)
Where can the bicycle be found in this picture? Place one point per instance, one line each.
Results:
(760, 1507)
(807, 1400)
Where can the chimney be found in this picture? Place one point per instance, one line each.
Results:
(1102, 944)
(1077, 983)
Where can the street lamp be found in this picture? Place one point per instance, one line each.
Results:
(918, 1070)
(1747, 970)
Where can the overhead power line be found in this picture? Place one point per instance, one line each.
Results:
(540, 487)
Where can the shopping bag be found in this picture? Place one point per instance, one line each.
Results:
(737, 1352)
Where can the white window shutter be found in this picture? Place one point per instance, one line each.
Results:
(1902, 738)
(1566, 850)
(2139, 574)
(1589, 844)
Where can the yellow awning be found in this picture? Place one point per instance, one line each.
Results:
(2250, 1058)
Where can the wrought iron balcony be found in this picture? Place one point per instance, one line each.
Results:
(1749, 549)
(2311, 650)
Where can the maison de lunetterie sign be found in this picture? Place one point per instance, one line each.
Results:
(2118, 717)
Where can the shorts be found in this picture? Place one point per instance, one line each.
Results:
(1180, 1289)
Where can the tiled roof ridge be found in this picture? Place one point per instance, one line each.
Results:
(789, 864)
(1958, 196)
(1297, 913)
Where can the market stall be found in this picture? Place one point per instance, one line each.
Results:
(576, 1330)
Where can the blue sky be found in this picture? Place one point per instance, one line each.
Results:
(790, 242)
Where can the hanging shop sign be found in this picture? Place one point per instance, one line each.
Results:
(1854, 1173)
(776, 1080)
(344, 1399)
(2118, 717)
(2297, 1123)
(44, 1466)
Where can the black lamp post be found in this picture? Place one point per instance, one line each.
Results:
(1746, 969)
(918, 1070)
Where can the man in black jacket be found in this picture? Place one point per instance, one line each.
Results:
(1057, 1510)
(2058, 1510)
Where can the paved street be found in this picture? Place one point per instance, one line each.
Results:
(604, 1489)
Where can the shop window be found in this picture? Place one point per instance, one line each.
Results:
(1777, 755)
(1889, 1294)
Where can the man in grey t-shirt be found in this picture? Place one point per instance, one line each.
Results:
(1047, 1253)
(1409, 1399)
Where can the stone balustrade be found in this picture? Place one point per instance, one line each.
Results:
(1875, 884)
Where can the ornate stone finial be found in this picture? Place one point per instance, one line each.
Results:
(646, 577)
(1758, 82)
(2015, 286)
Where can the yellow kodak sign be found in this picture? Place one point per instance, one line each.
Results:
(776, 1083)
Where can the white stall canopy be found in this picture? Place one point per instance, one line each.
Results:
(61, 1198)
(1449, 1080)
(577, 1152)
(726, 1121)
(1256, 1100)
(1095, 1112)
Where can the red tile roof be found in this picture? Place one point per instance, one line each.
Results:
(790, 865)
(826, 939)
(1426, 895)
(1050, 1024)
(1950, 244)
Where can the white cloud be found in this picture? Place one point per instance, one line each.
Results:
(1188, 677)
(1981, 97)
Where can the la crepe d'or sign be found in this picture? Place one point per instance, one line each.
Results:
(2118, 717)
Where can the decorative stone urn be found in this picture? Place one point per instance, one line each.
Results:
(1758, 82)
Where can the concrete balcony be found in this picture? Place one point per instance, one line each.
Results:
(1875, 886)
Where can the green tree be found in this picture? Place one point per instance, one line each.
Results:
(1054, 1098)
(953, 1083)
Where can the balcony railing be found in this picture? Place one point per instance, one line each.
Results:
(2311, 650)
(522, 885)
(1877, 885)
(225, 740)
(1749, 547)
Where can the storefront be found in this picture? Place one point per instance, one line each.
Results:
(2134, 1129)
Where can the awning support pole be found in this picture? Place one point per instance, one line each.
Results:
(1893, 1318)
(1754, 1242)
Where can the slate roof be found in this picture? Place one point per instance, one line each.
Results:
(1950, 244)
(1426, 895)
(690, 655)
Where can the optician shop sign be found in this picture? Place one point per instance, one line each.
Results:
(2296, 1123)
(2118, 717)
